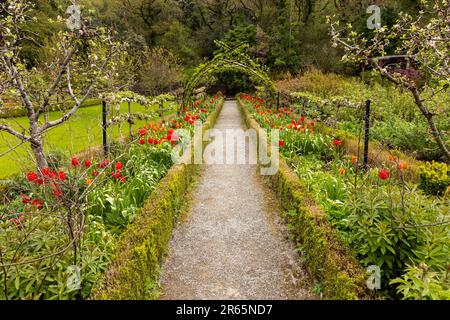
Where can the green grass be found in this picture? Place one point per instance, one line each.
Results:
(81, 132)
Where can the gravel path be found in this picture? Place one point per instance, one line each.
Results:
(232, 245)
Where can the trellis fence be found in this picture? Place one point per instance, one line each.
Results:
(156, 109)
(364, 108)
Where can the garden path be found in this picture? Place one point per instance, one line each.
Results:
(232, 244)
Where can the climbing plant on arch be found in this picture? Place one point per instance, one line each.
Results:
(229, 58)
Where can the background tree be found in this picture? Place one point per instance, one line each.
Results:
(159, 72)
(414, 54)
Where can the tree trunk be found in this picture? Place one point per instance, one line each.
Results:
(38, 151)
(437, 136)
(434, 129)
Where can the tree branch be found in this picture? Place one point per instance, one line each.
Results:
(57, 80)
(13, 132)
(77, 105)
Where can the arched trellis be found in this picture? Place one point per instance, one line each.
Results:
(230, 58)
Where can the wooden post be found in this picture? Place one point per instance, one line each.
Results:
(366, 133)
(130, 121)
(278, 100)
(161, 111)
(104, 129)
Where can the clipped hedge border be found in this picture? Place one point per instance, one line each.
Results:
(327, 257)
(142, 247)
(18, 111)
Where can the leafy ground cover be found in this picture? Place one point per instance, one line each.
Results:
(387, 220)
(63, 222)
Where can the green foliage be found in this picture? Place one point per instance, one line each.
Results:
(242, 33)
(235, 59)
(434, 178)
(419, 283)
(117, 203)
(383, 232)
(48, 278)
(158, 71)
(285, 51)
(85, 133)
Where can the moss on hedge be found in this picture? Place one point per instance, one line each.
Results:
(327, 257)
(134, 270)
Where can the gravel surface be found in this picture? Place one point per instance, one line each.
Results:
(232, 245)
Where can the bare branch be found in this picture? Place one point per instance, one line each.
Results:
(72, 111)
(54, 85)
(13, 132)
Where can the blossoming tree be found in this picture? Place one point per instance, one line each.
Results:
(413, 54)
(81, 62)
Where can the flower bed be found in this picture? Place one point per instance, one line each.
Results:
(384, 219)
(134, 271)
(60, 227)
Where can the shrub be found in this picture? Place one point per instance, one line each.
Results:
(419, 283)
(434, 178)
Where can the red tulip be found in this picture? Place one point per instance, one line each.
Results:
(383, 174)
(104, 164)
(95, 173)
(87, 163)
(25, 199)
(32, 176)
(75, 162)
(57, 192)
(142, 141)
(16, 221)
(37, 203)
(116, 175)
(281, 143)
(119, 165)
(337, 142)
(62, 175)
(143, 132)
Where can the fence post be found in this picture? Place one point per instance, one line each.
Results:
(130, 121)
(104, 128)
(366, 133)
(278, 100)
(161, 111)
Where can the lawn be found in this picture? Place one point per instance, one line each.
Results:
(82, 131)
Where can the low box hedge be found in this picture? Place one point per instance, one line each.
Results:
(19, 111)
